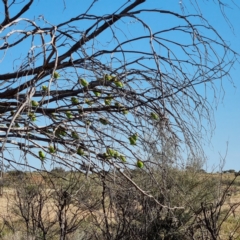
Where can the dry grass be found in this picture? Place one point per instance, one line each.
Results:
(229, 227)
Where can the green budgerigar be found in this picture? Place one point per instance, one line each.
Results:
(41, 155)
(74, 135)
(140, 164)
(34, 103)
(83, 82)
(74, 100)
(56, 75)
(51, 149)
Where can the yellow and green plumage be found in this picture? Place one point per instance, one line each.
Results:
(80, 151)
(122, 158)
(41, 155)
(74, 100)
(110, 152)
(56, 75)
(133, 139)
(51, 149)
(69, 114)
(104, 121)
(44, 88)
(154, 116)
(108, 77)
(140, 164)
(89, 102)
(32, 117)
(97, 94)
(119, 84)
(34, 103)
(74, 135)
(83, 82)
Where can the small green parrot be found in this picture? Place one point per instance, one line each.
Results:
(97, 94)
(116, 154)
(104, 121)
(63, 133)
(140, 163)
(54, 116)
(74, 100)
(108, 77)
(107, 102)
(89, 102)
(51, 149)
(44, 88)
(69, 114)
(56, 75)
(41, 155)
(80, 152)
(125, 112)
(32, 117)
(83, 82)
(34, 103)
(60, 133)
(122, 158)
(74, 135)
(154, 116)
(119, 84)
(110, 152)
(117, 104)
(132, 141)
(135, 136)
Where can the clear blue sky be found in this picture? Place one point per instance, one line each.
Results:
(227, 114)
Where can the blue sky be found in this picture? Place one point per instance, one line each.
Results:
(226, 137)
